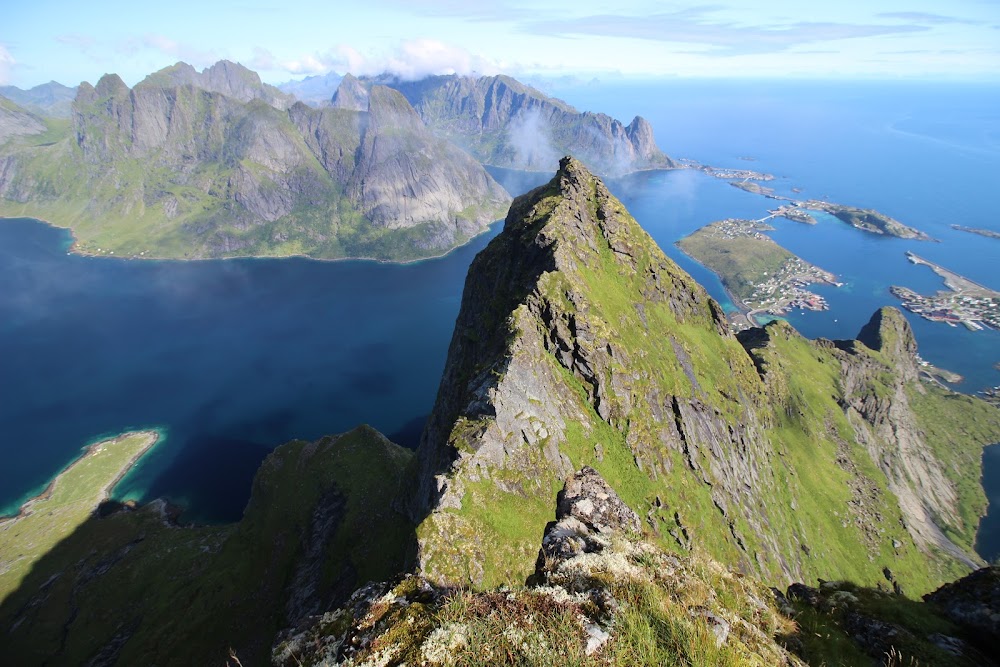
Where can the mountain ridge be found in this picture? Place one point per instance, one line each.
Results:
(560, 370)
(217, 164)
(505, 123)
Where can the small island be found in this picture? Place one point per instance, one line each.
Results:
(725, 173)
(68, 501)
(755, 188)
(865, 219)
(988, 233)
(932, 373)
(964, 302)
(760, 275)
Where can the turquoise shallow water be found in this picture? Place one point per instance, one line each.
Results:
(233, 357)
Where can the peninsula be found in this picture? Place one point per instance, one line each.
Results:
(66, 503)
(760, 275)
(964, 302)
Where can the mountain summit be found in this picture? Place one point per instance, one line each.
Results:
(580, 343)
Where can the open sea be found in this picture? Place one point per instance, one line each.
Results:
(231, 358)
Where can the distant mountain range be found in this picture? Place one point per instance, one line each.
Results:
(52, 98)
(313, 90)
(216, 163)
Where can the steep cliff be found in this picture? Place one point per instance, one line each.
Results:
(580, 343)
(505, 123)
(189, 164)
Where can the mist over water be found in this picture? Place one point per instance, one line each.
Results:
(232, 358)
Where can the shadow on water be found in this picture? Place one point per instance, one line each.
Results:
(409, 435)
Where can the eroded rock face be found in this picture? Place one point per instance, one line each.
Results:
(884, 422)
(15, 121)
(350, 94)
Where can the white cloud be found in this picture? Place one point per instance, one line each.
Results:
(418, 58)
(181, 51)
(6, 63)
(410, 60)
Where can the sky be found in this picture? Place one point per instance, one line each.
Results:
(43, 40)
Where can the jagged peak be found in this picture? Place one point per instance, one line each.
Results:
(389, 107)
(109, 85)
(889, 333)
(229, 68)
(351, 94)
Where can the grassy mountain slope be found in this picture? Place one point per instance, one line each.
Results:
(580, 343)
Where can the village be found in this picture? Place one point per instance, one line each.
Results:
(786, 290)
(775, 291)
(964, 302)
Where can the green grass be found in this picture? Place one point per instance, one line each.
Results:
(741, 263)
(65, 505)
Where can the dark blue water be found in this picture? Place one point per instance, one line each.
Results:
(231, 358)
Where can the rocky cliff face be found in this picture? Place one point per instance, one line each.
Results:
(350, 94)
(508, 124)
(877, 403)
(580, 343)
(189, 164)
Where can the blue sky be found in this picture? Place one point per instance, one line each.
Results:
(42, 40)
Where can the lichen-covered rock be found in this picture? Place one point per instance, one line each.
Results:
(588, 515)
